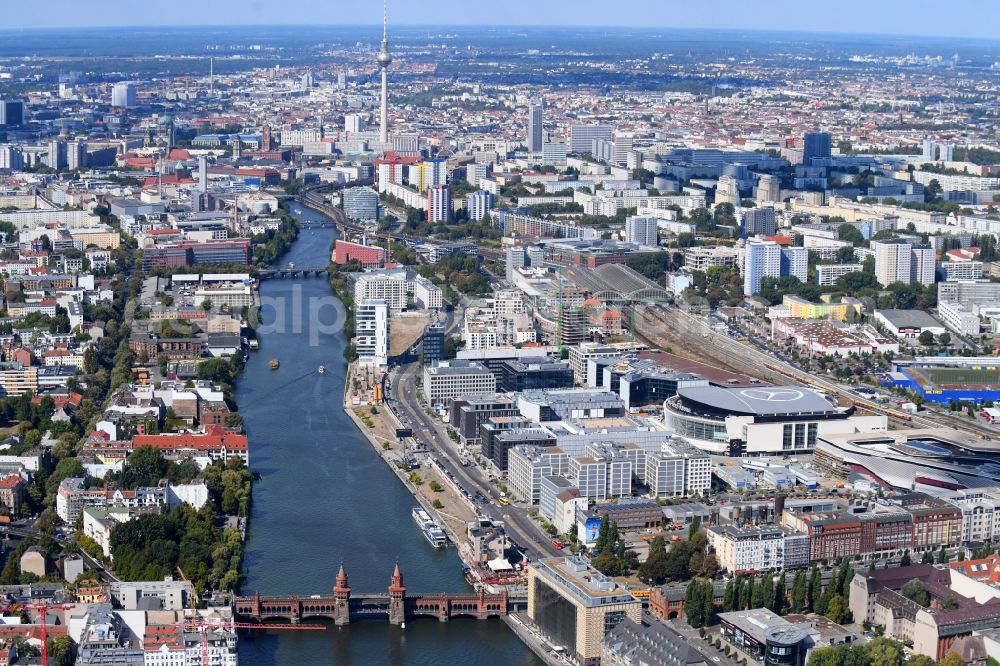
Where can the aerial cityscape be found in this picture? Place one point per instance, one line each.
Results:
(395, 335)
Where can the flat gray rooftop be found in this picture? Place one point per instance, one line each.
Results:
(759, 400)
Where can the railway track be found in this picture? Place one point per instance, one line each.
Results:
(748, 359)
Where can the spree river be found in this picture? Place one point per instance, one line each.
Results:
(325, 497)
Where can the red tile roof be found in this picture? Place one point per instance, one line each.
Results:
(11, 481)
(159, 635)
(208, 441)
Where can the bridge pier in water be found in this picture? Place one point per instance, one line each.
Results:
(345, 607)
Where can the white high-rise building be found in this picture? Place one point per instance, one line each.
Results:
(516, 257)
(763, 259)
(795, 263)
(947, 152)
(623, 146)
(727, 191)
(928, 150)
(922, 264)
(768, 189)
(582, 137)
(893, 261)
(480, 203)
(554, 154)
(390, 172)
(11, 157)
(57, 154)
(76, 155)
(353, 123)
(678, 469)
(427, 174)
(536, 133)
(438, 203)
(371, 325)
(202, 173)
(388, 286)
(123, 96)
(476, 172)
(641, 230)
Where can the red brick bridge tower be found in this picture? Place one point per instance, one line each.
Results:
(341, 599)
(397, 598)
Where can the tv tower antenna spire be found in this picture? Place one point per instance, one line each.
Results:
(384, 60)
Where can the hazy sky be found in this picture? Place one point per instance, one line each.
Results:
(957, 18)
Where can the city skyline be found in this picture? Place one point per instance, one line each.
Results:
(617, 345)
(969, 19)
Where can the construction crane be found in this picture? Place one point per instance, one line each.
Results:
(203, 625)
(43, 610)
(194, 590)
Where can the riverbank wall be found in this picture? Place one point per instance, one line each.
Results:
(459, 539)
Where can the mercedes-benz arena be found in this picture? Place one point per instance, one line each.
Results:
(760, 420)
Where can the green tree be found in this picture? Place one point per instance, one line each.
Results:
(602, 535)
(921, 660)
(822, 602)
(738, 593)
(708, 600)
(885, 652)
(183, 472)
(928, 558)
(217, 370)
(757, 593)
(746, 593)
(233, 420)
(915, 591)
(767, 593)
(698, 602)
(815, 589)
(606, 563)
(905, 561)
(926, 338)
(799, 592)
(67, 468)
(694, 527)
(850, 232)
(144, 467)
(942, 557)
(780, 595)
(613, 536)
(728, 595)
(60, 651)
(654, 569)
(836, 610)
(845, 574)
(952, 659)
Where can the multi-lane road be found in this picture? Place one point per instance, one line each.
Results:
(405, 402)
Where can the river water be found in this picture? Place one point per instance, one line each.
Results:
(325, 497)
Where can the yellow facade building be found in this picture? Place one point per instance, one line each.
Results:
(575, 605)
(843, 309)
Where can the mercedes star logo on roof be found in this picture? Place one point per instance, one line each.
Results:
(772, 394)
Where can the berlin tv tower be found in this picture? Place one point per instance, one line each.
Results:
(384, 60)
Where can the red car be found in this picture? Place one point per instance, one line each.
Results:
(558, 545)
